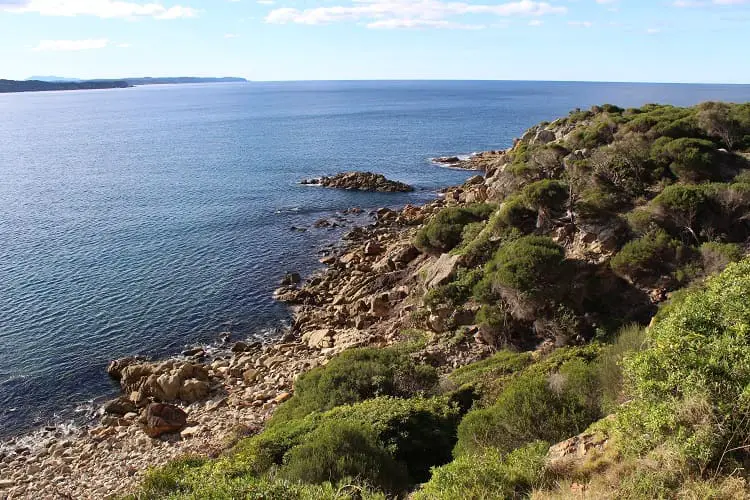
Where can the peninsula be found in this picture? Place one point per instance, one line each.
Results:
(54, 83)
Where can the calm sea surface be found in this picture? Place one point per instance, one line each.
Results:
(144, 220)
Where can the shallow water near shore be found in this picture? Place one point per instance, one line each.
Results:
(139, 221)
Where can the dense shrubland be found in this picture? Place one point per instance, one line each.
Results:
(664, 195)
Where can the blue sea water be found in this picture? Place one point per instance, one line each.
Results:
(143, 220)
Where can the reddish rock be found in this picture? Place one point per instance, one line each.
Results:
(162, 419)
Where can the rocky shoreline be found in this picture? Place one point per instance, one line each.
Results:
(197, 404)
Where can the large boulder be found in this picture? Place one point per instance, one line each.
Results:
(441, 271)
(163, 419)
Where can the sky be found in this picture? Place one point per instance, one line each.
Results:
(696, 41)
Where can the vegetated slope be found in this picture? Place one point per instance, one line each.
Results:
(557, 260)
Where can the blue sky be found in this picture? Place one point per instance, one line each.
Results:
(598, 40)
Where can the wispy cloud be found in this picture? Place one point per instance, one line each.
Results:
(708, 3)
(70, 45)
(98, 8)
(409, 13)
(581, 24)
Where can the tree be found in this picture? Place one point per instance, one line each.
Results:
(716, 119)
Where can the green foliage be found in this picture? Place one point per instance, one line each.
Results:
(171, 477)
(716, 256)
(488, 376)
(514, 212)
(647, 258)
(689, 159)
(529, 265)
(533, 406)
(455, 293)
(341, 450)
(489, 475)
(353, 376)
(689, 388)
(419, 433)
(444, 231)
(630, 338)
(546, 193)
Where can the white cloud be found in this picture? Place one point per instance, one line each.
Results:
(653, 31)
(230, 35)
(124, 45)
(266, 2)
(706, 3)
(536, 22)
(422, 23)
(581, 24)
(409, 13)
(70, 45)
(97, 8)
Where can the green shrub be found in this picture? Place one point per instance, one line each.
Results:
(419, 433)
(689, 388)
(646, 259)
(342, 450)
(488, 475)
(546, 193)
(356, 375)
(488, 374)
(529, 265)
(513, 212)
(689, 159)
(630, 338)
(443, 232)
(172, 477)
(533, 406)
(716, 256)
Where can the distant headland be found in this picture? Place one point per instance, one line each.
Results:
(47, 83)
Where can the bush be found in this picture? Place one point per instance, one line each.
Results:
(356, 375)
(341, 450)
(488, 376)
(529, 265)
(689, 159)
(716, 256)
(630, 338)
(646, 259)
(533, 406)
(514, 213)
(488, 475)
(689, 388)
(443, 232)
(547, 193)
(417, 432)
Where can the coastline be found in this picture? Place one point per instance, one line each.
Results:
(246, 383)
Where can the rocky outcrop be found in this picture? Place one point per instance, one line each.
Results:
(360, 181)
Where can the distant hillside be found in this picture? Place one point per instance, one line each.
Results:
(181, 79)
(45, 83)
(7, 86)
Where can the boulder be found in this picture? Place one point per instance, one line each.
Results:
(119, 406)
(291, 279)
(116, 367)
(544, 136)
(447, 160)
(163, 419)
(373, 248)
(380, 305)
(441, 271)
(193, 390)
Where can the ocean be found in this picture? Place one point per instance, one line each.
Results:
(145, 220)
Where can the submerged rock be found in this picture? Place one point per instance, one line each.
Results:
(360, 181)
